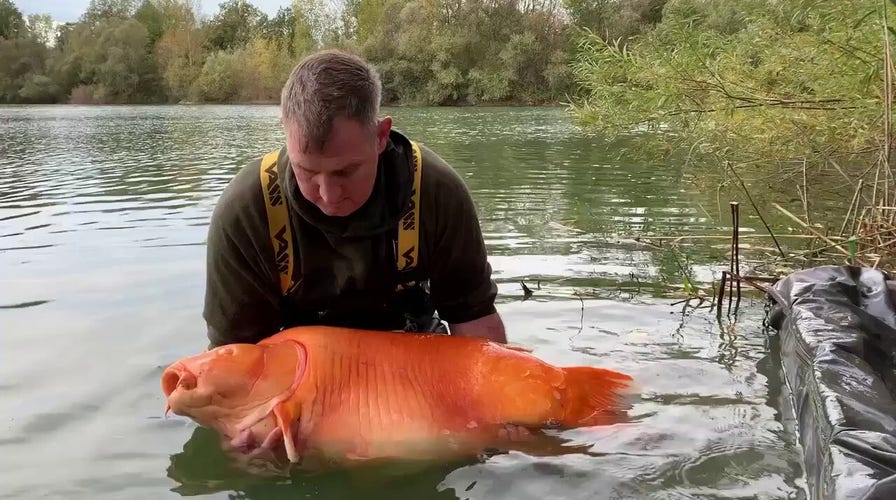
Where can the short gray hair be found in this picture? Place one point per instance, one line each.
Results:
(326, 85)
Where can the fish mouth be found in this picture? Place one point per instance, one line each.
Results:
(177, 376)
(178, 385)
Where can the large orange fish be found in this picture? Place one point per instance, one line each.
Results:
(345, 395)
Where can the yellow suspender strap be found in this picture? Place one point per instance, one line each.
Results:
(278, 219)
(409, 226)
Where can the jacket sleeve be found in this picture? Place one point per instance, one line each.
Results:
(242, 296)
(461, 281)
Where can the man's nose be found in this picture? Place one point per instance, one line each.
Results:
(330, 190)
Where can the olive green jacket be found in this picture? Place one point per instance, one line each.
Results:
(346, 267)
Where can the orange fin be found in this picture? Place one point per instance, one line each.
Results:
(596, 395)
(285, 418)
(517, 348)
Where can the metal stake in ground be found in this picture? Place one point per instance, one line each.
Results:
(734, 265)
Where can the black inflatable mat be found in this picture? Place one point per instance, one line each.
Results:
(837, 329)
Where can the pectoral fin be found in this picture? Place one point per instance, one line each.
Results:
(517, 348)
(286, 417)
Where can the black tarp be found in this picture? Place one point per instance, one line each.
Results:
(837, 329)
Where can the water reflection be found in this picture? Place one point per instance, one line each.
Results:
(203, 468)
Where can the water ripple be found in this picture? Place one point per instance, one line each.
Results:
(103, 278)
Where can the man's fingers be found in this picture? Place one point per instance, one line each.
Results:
(513, 432)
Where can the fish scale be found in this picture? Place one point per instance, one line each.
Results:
(387, 411)
(371, 407)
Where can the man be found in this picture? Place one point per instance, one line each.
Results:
(373, 231)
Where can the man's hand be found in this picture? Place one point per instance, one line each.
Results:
(490, 327)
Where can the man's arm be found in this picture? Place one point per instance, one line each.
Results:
(242, 302)
(238, 307)
(490, 327)
(462, 287)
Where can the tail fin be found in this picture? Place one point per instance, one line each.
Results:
(596, 395)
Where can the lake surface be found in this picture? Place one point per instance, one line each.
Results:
(103, 214)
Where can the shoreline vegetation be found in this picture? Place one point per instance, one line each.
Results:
(782, 92)
(433, 53)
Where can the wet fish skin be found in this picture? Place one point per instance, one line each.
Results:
(351, 395)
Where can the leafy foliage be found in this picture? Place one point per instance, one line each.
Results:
(11, 21)
(756, 79)
(234, 26)
(427, 51)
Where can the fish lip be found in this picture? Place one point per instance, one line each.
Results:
(172, 380)
(186, 406)
(172, 376)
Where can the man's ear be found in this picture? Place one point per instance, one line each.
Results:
(383, 128)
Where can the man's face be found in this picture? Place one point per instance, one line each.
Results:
(339, 178)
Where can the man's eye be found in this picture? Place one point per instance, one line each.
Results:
(346, 172)
(301, 169)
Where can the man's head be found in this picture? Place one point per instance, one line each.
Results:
(329, 108)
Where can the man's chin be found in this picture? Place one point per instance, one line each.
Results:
(336, 211)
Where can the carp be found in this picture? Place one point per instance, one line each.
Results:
(349, 395)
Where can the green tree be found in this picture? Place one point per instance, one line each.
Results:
(281, 29)
(427, 51)
(11, 21)
(100, 10)
(616, 20)
(41, 29)
(22, 72)
(760, 80)
(219, 80)
(152, 18)
(235, 24)
(24, 54)
(108, 61)
(315, 27)
(348, 19)
(453, 52)
(179, 53)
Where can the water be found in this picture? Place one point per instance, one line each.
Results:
(103, 212)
